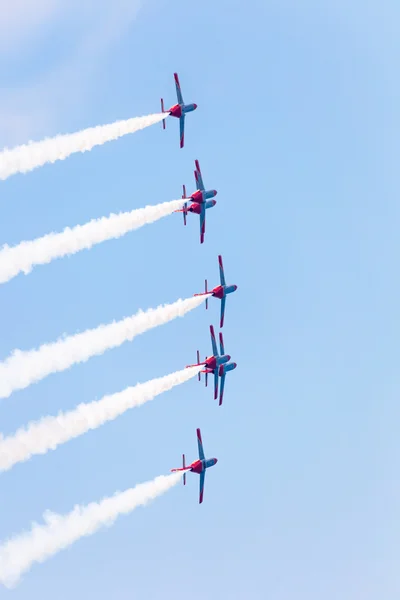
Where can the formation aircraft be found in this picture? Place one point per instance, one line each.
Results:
(198, 466)
(178, 110)
(217, 365)
(201, 199)
(220, 291)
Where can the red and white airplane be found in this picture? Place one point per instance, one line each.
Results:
(220, 291)
(218, 365)
(201, 199)
(179, 110)
(198, 466)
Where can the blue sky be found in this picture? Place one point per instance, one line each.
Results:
(297, 127)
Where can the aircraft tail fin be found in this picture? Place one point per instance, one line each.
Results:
(162, 110)
(184, 467)
(198, 362)
(185, 205)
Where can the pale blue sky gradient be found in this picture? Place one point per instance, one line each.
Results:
(297, 128)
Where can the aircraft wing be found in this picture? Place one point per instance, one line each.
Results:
(202, 223)
(213, 342)
(221, 394)
(200, 444)
(198, 177)
(202, 478)
(221, 343)
(221, 270)
(221, 324)
(215, 384)
(182, 130)
(178, 89)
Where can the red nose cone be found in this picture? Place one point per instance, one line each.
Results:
(195, 106)
(229, 357)
(214, 202)
(216, 460)
(215, 192)
(234, 365)
(235, 286)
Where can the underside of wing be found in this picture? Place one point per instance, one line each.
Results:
(221, 270)
(223, 301)
(215, 384)
(202, 223)
(213, 341)
(198, 176)
(182, 130)
(221, 393)
(200, 444)
(178, 89)
(202, 478)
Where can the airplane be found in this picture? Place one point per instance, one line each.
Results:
(198, 466)
(201, 199)
(220, 291)
(217, 365)
(178, 110)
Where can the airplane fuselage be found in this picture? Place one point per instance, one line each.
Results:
(213, 362)
(223, 290)
(198, 466)
(180, 109)
(196, 207)
(203, 195)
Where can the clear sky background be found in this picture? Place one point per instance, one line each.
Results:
(298, 129)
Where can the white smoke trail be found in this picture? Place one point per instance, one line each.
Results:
(22, 159)
(50, 432)
(22, 368)
(60, 531)
(27, 254)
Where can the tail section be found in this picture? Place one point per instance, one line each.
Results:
(198, 362)
(185, 205)
(182, 470)
(162, 110)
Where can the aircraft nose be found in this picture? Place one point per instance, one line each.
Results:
(215, 192)
(214, 202)
(195, 106)
(235, 286)
(216, 460)
(228, 356)
(234, 365)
